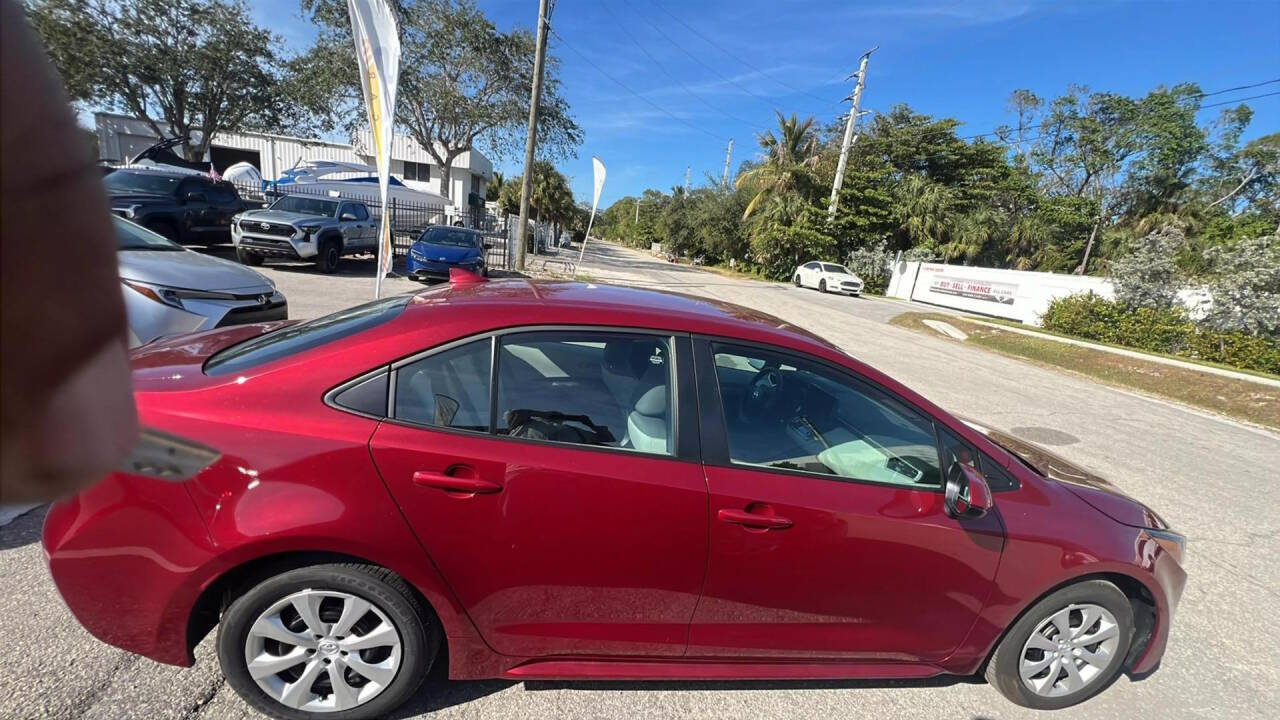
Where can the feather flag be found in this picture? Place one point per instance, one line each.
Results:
(377, 38)
(598, 174)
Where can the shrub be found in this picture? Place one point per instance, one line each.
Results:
(1169, 330)
(1147, 278)
(871, 263)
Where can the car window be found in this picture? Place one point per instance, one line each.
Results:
(786, 413)
(955, 449)
(449, 238)
(811, 266)
(362, 212)
(306, 205)
(447, 389)
(587, 388)
(222, 193)
(123, 181)
(194, 184)
(839, 269)
(304, 336)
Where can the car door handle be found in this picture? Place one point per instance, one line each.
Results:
(753, 520)
(458, 479)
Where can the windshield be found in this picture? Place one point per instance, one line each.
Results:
(449, 238)
(304, 336)
(123, 181)
(136, 237)
(306, 205)
(838, 269)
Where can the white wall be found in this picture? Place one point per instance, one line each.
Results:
(1012, 294)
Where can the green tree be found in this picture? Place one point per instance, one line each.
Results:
(493, 189)
(787, 170)
(462, 83)
(188, 68)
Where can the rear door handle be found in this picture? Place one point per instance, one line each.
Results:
(459, 480)
(753, 520)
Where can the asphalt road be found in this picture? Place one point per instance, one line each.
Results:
(1211, 478)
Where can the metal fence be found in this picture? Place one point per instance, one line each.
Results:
(409, 219)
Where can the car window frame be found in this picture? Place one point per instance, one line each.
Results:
(714, 427)
(684, 396)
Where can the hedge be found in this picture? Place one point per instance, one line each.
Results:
(1092, 317)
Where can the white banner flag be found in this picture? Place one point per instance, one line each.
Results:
(598, 173)
(377, 37)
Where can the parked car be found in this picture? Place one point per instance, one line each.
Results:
(827, 277)
(169, 290)
(303, 227)
(565, 480)
(442, 247)
(183, 207)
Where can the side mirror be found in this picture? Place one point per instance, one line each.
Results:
(348, 216)
(967, 493)
(194, 196)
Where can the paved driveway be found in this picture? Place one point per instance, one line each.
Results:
(1213, 479)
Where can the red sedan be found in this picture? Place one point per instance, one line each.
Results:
(562, 480)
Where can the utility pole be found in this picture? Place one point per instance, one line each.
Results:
(848, 132)
(637, 222)
(728, 158)
(530, 144)
(687, 168)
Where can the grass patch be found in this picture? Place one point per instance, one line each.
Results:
(1181, 358)
(1241, 399)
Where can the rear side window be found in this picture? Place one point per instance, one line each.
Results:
(304, 336)
(447, 389)
(587, 388)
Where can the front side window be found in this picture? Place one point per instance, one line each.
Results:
(790, 414)
(956, 450)
(447, 389)
(587, 388)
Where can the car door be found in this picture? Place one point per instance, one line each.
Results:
(809, 276)
(355, 233)
(829, 536)
(566, 510)
(198, 216)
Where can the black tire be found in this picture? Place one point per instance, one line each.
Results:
(1002, 668)
(245, 257)
(796, 280)
(418, 628)
(822, 286)
(163, 228)
(329, 255)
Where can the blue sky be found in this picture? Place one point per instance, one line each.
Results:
(701, 71)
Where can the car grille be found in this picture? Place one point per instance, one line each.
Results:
(255, 313)
(267, 228)
(851, 285)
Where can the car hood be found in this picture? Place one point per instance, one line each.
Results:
(445, 253)
(189, 270)
(842, 277)
(282, 216)
(1090, 487)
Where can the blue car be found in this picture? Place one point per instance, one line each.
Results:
(441, 248)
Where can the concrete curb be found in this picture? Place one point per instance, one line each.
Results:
(1222, 372)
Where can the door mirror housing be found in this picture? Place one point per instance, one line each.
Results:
(348, 216)
(194, 196)
(967, 494)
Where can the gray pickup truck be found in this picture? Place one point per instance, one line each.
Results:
(302, 227)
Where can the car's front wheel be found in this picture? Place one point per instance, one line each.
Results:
(328, 257)
(1067, 648)
(822, 286)
(329, 641)
(796, 280)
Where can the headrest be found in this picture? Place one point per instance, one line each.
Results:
(654, 402)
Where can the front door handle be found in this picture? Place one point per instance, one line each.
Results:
(753, 520)
(458, 480)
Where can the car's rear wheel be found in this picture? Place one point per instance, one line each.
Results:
(796, 280)
(1067, 648)
(344, 641)
(330, 254)
(248, 258)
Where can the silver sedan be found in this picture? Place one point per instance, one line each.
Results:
(169, 290)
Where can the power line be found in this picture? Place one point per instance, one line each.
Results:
(628, 88)
(735, 57)
(690, 93)
(698, 60)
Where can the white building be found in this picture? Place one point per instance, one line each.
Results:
(120, 137)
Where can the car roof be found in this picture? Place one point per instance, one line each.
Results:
(520, 301)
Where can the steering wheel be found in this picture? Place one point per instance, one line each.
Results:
(762, 395)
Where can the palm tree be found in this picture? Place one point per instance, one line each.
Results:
(790, 157)
(1025, 246)
(495, 187)
(924, 208)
